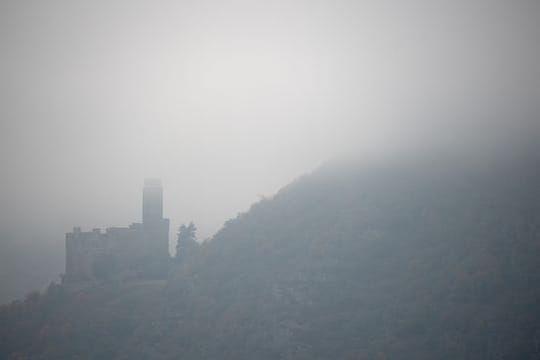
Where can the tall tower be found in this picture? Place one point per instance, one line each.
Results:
(155, 227)
(152, 201)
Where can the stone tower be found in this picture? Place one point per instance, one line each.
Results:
(155, 227)
(152, 201)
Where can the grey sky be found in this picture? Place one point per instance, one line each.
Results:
(229, 100)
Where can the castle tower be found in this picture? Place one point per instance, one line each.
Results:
(155, 227)
(152, 201)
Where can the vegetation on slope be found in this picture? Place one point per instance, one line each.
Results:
(409, 261)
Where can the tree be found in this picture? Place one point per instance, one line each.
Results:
(187, 241)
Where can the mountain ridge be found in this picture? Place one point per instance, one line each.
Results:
(409, 260)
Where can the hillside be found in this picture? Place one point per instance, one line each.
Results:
(413, 260)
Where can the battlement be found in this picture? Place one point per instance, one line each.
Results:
(152, 182)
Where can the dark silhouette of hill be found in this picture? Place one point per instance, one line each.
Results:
(413, 260)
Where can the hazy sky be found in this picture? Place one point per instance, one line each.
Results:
(230, 100)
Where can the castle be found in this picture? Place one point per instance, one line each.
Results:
(138, 251)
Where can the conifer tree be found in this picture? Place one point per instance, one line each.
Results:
(186, 241)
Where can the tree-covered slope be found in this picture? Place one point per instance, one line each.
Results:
(413, 260)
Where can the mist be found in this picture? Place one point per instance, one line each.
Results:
(227, 102)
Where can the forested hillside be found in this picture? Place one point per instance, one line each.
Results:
(406, 260)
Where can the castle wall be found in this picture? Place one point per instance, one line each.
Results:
(82, 248)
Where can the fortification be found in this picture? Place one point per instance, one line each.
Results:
(140, 250)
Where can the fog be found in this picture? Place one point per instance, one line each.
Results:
(229, 101)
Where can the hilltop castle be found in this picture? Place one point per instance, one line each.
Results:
(138, 251)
